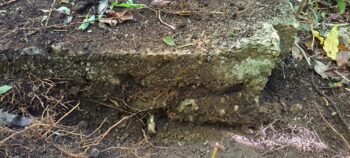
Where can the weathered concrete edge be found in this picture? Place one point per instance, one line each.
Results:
(90, 67)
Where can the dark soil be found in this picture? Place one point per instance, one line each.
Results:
(289, 84)
(21, 25)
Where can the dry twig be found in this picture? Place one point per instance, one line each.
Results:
(330, 126)
(51, 9)
(22, 131)
(7, 3)
(164, 23)
(65, 115)
(71, 155)
(102, 136)
(300, 8)
(334, 105)
(303, 52)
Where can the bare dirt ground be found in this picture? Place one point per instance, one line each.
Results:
(68, 124)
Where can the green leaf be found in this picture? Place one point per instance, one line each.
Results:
(4, 89)
(341, 6)
(87, 21)
(169, 40)
(129, 4)
(63, 10)
(68, 20)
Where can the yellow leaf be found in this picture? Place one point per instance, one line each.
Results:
(331, 43)
(317, 35)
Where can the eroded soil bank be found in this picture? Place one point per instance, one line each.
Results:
(81, 130)
(89, 100)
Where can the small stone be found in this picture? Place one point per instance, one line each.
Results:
(296, 108)
(151, 125)
(222, 112)
(165, 141)
(235, 108)
(81, 6)
(4, 45)
(263, 110)
(202, 150)
(94, 153)
(31, 51)
(58, 48)
(223, 148)
(206, 143)
(82, 125)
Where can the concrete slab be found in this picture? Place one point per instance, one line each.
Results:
(215, 73)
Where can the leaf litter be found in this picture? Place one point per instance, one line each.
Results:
(334, 45)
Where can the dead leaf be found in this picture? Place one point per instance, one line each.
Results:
(296, 54)
(331, 43)
(121, 16)
(108, 21)
(343, 58)
(116, 17)
(320, 68)
(159, 3)
(342, 47)
(184, 13)
(337, 74)
(344, 37)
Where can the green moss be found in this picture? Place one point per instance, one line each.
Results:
(250, 68)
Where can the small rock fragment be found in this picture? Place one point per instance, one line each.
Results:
(94, 153)
(235, 108)
(159, 3)
(262, 110)
(82, 125)
(296, 108)
(222, 112)
(206, 143)
(31, 51)
(151, 125)
(296, 54)
(58, 48)
(14, 120)
(81, 6)
(165, 141)
(4, 45)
